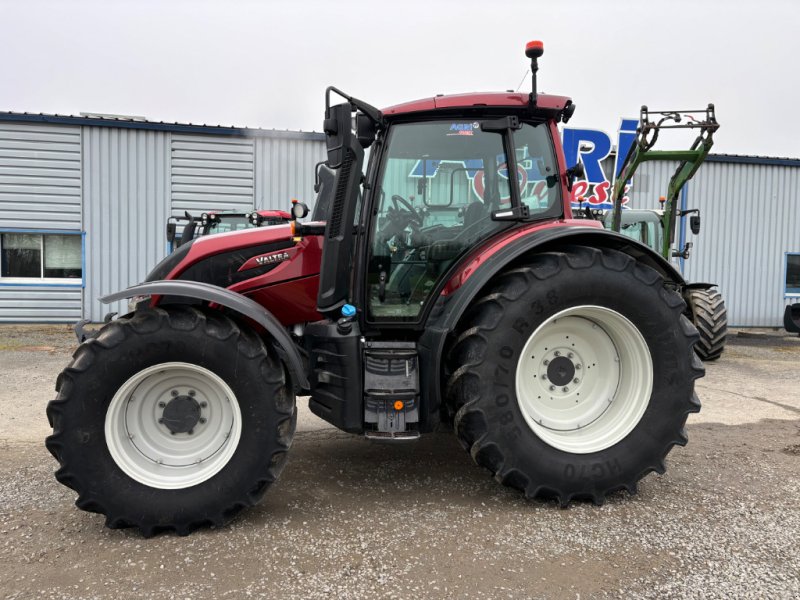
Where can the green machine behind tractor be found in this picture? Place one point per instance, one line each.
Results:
(657, 227)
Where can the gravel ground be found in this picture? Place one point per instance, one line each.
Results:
(354, 519)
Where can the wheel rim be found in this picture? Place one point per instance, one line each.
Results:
(173, 425)
(584, 379)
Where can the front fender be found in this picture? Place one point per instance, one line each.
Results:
(236, 302)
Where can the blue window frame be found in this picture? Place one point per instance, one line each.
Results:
(41, 257)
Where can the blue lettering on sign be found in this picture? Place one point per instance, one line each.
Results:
(599, 147)
(591, 147)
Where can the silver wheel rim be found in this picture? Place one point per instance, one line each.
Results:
(584, 379)
(140, 425)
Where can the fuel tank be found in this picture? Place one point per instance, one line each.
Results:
(267, 264)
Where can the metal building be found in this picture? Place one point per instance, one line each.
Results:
(84, 201)
(749, 243)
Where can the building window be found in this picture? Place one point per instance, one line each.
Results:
(41, 256)
(793, 273)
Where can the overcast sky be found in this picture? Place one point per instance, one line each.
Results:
(266, 64)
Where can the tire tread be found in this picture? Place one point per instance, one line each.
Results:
(468, 352)
(179, 319)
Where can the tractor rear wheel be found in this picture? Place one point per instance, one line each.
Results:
(710, 317)
(171, 419)
(574, 375)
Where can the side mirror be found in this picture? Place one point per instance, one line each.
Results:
(687, 250)
(172, 227)
(365, 130)
(694, 224)
(317, 181)
(337, 126)
(575, 172)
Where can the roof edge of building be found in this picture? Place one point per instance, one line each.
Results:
(122, 123)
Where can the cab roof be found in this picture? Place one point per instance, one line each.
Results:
(478, 100)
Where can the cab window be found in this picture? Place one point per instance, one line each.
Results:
(537, 170)
(438, 185)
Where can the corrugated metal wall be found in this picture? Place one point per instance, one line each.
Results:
(749, 221)
(285, 170)
(40, 188)
(40, 176)
(125, 210)
(211, 173)
(34, 304)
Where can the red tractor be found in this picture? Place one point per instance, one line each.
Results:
(445, 284)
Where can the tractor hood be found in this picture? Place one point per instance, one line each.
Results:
(216, 259)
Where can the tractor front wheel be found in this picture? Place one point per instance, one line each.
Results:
(574, 375)
(171, 419)
(710, 317)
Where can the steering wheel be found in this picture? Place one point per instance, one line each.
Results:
(396, 199)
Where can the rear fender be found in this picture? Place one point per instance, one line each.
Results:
(450, 307)
(495, 259)
(236, 302)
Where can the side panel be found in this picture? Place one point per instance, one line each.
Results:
(292, 301)
(266, 264)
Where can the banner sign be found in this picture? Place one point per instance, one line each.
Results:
(592, 147)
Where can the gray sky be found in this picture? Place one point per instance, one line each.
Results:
(266, 64)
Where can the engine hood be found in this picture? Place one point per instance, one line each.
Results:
(221, 255)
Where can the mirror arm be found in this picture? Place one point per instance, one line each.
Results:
(369, 110)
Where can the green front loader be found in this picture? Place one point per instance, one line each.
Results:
(656, 227)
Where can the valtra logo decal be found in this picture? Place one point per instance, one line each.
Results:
(265, 259)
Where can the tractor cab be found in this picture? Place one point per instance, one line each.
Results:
(438, 192)
(645, 226)
(446, 177)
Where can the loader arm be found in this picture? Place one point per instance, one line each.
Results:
(689, 161)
